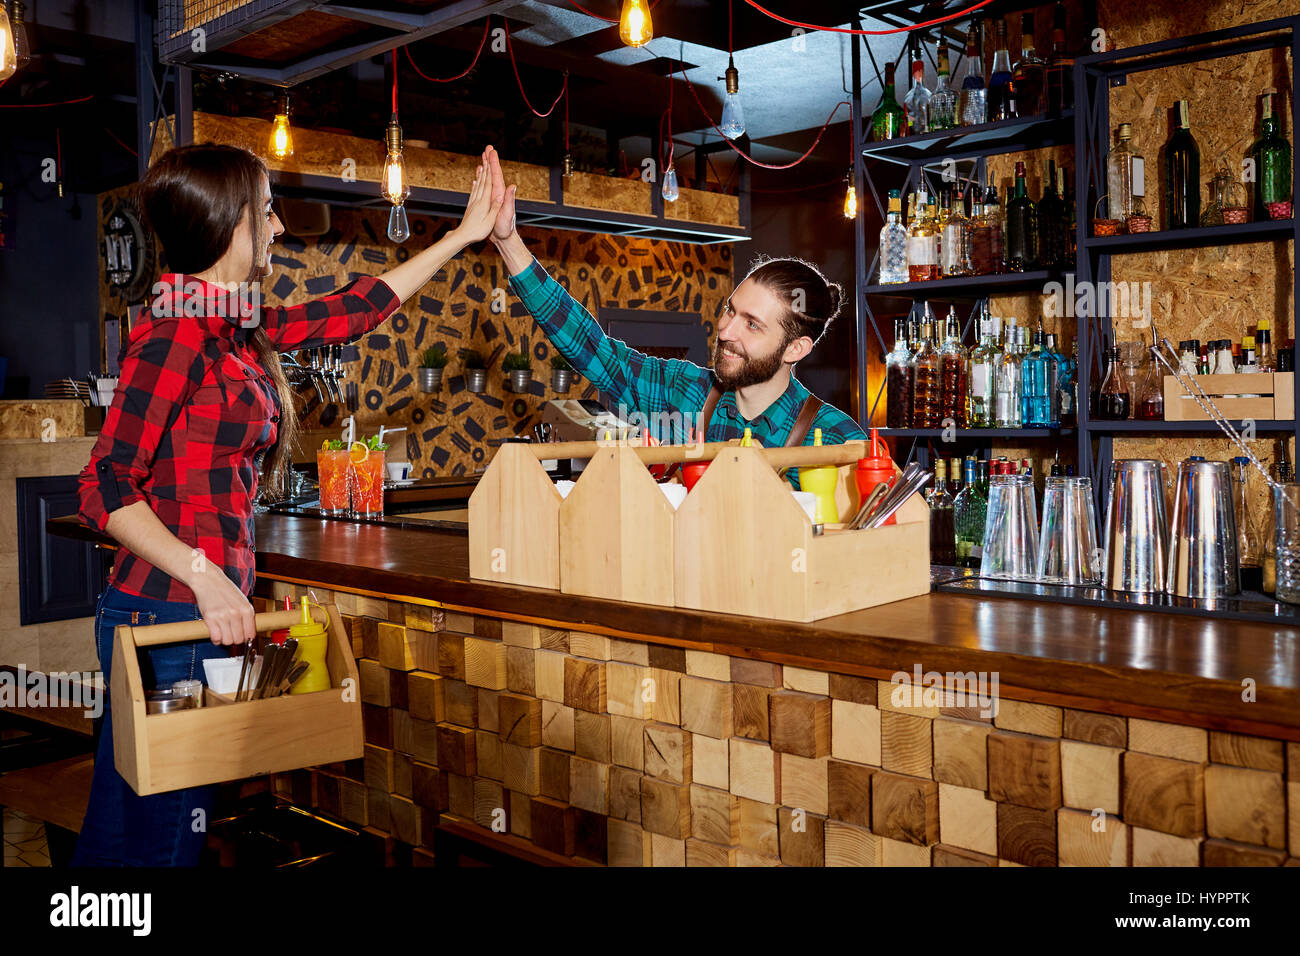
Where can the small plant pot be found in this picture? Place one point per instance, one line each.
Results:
(430, 379)
(519, 379)
(561, 379)
(475, 379)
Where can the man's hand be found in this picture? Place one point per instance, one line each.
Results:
(504, 227)
(483, 208)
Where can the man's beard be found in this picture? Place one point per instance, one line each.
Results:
(752, 371)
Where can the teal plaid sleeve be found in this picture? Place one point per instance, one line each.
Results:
(638, 382)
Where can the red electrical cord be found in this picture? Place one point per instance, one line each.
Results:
(566, 111)
(960, 14)
(36, 106)
(563, 89)
(598, 16)
(119, 142)
(394, 82)
(451, 79)
(690, 86)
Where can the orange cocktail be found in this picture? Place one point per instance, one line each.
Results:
(332, 468)
(367, 481)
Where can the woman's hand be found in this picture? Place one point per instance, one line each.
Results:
(481, 211)
(223, 606)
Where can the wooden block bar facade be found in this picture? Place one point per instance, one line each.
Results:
(608, 751)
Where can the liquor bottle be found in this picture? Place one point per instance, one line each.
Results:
(1006, 383)
(1182, 174)
(1065, 189)
(998, 224)
(898, 380)
(969, 510)
(1053, 228)
(925, 378)
(952, 373)
(893, 243)
(1067, 385)
(1113, 399)
(972, 100)
(922, 243)
(1022, 227)
(1000, 92)
(943, 102)
(954, 477)
(1038, 375)
(1054, 350)
(943, 532)
(954, 240)
(889, 121)
(1123, 168)
(1060, 68)
(979, 391)
(1272, 159)
(917, 102)
(1028, 79)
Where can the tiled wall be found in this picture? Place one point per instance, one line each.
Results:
(633, 754)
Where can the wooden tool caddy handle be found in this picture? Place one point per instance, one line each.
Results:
(798, 457)
(178, 631)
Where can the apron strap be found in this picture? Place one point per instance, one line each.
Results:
(811, 406)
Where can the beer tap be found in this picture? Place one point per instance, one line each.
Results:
(336, 370)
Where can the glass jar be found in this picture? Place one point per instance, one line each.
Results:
(1228, 203)
(1286, 518)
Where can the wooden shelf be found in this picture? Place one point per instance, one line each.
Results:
(965, 287)
(1192, 238)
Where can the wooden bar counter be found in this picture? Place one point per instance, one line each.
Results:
(565, 729)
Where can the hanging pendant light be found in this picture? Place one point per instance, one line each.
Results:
(8, 56)
(670, 184)
(733, 115)
(634, 26)
(281, 145)
(850, 197)
(395, 185)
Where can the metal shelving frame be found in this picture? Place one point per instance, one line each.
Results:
(1094, 75)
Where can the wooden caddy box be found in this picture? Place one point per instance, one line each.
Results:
(1276, 401)
(745, 546)
(739, 544)
(225, 740)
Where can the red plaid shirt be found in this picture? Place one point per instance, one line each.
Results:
(195, 412)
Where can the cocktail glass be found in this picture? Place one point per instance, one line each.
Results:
(333, 469)
(368, 485)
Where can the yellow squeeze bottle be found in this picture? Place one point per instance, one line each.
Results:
(821, 481)
(311, 639)
(747, 440)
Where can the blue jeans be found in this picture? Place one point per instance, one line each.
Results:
(122, 828)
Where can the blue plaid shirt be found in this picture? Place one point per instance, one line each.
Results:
(664, 395)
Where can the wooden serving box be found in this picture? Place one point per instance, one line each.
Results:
(1276, 401)
(740, 543)
(745, 546)
(228, 740)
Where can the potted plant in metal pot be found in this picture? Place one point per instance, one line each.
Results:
(561, 373)
(519, 368)
(475, 371)
(432, 361)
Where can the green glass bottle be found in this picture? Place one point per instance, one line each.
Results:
(1182, 174)
(1272, 159)
(888, 121)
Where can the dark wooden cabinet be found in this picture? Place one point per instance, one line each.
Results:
(58, 579)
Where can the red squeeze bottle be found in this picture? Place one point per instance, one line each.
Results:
(873, 470)
(279, 637)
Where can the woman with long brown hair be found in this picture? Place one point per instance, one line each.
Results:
(202, 406)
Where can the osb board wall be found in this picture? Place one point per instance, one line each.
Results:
(543, 736)
(593, 191)
(322, 154)
(696, 205)
(1218, 292)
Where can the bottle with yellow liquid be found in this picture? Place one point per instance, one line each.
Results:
(821, 481)
(311, 638)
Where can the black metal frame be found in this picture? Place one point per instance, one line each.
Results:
(1093, 77)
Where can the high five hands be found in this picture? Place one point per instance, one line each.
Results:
(486, 203)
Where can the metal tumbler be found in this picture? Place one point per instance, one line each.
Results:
(1136, 534)
(1010, 529)
(1203, 533)
(1067, 544)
